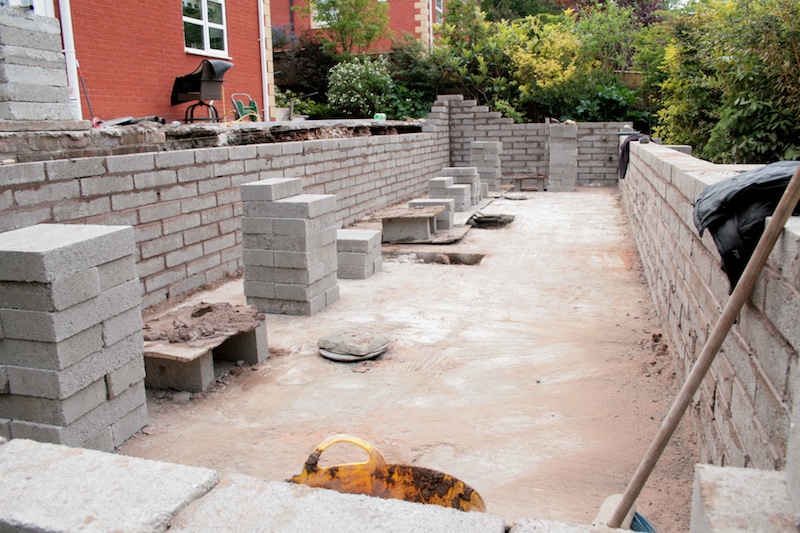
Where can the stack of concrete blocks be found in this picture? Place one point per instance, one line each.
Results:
(485, 156)
(358, 253)
(466, 176)
(71, 365)
(288, 247)
(33, 76)
(443, 187)
(562, 157)
(444, 220)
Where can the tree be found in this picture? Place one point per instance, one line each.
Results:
(349, 27)
(646, 12)
(733, 89)
(497, 10)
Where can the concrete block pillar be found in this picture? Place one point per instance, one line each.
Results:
(71, 343)
(33, 74)
(562, 157)
(485, 156)
(289, 247)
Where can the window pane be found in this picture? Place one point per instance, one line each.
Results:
(216, 38)
(193, 36)
(214, 12)
(192, 8)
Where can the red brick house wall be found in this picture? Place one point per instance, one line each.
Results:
(131, 52)
(403, 18)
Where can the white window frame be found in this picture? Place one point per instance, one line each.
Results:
(206, 25)
(438, 8)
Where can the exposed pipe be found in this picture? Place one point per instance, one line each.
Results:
(263, 40)
(69, 55)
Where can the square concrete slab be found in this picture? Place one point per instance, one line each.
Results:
(48, 487)
(242, 503)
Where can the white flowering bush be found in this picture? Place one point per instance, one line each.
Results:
(361, 86)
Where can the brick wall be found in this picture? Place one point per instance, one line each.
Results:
(131, 52)
(185, 205)
(524, 144)
(743, 410)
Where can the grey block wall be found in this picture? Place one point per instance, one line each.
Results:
(185, 205)
(744, 408)
(525, 145)
(71, 343)
(288, 248)
(33, 74)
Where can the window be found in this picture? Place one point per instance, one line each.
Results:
(204, 27)
(439, 11)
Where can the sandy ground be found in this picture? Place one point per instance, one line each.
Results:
(538, 376)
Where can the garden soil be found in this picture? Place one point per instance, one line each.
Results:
(538, 376)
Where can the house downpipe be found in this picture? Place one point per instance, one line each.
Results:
(68, 38)
(262, 37)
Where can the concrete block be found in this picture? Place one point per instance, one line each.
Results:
(250, 347)
(300, 206)
(22, 173)
(60, 325)
(121, 488)
(194, 376)
(119, 380)
(52, 356)
(57, 295)
(740, 499)
(377, 265)
(440, 182)
(355, 271)
(117, 272)
(65, 169)
(289, 243)
(46, 252)
(270, 190)
(5, 430)
(449, 204)
(354, 240)
(304, 293)
(259, 289)
(102, 442)
(303, 260)
(254, 504)
(129, 425)
(356, 259)
(3, 382)
(289, 307)
(131, 163)
(53, 412)
(87, 426)
(62, 384)
(304, 226)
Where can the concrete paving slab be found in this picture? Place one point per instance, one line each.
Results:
(741, 499)
(48, 487)
(242, 503)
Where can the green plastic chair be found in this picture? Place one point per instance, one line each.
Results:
(249, 110)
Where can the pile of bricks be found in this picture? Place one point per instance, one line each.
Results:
(466, 176)
(289, 247)
(443, 187)
(445, 219)
(485, 156)
(358, 253)
(71, 366)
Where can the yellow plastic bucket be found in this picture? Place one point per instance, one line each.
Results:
(377, 478)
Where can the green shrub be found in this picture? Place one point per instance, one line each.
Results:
(360, 87)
